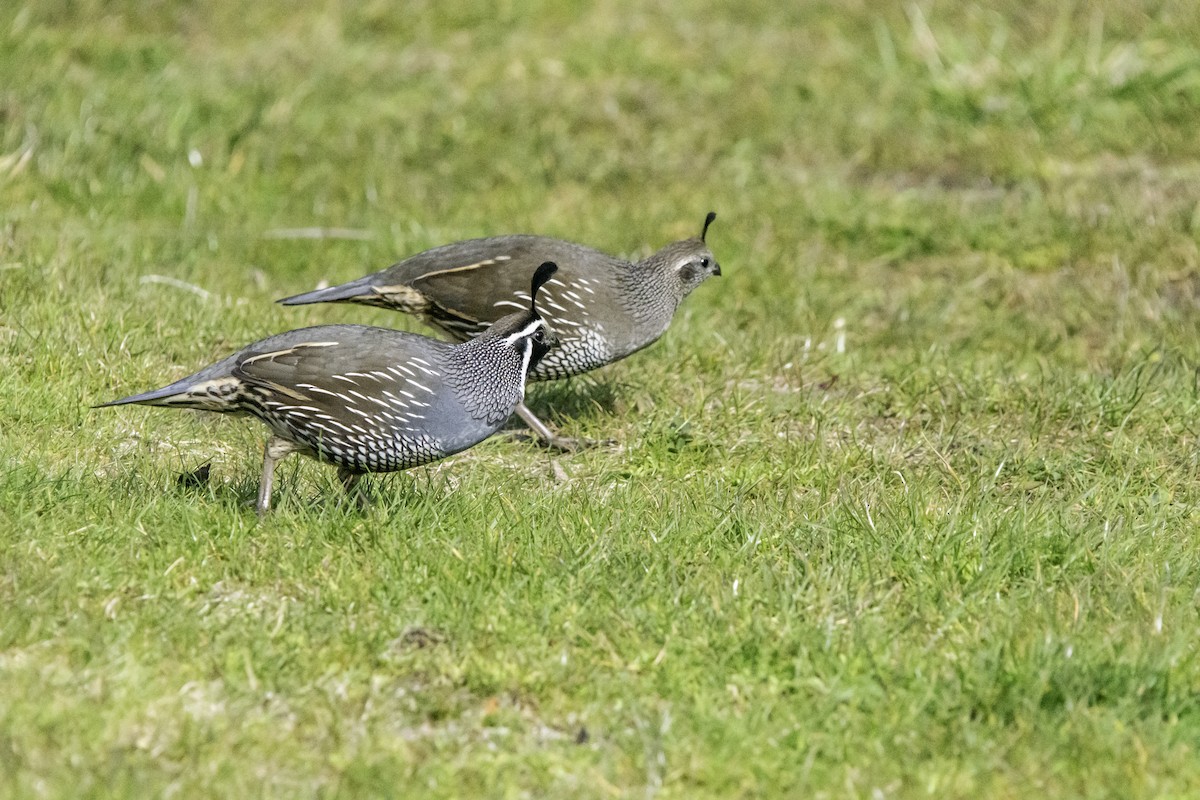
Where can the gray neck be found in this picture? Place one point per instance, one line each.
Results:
(486, 375)
(650, 295)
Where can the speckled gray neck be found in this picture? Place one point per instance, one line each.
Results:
(650, 296)
(485, 374)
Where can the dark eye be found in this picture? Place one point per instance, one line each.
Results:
(704, 262)
(538, 336)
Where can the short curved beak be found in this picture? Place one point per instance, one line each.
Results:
(716, 268)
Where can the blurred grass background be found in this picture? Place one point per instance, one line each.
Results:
(904, 504)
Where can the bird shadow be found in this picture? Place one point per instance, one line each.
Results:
(297, 489)
(578, 399)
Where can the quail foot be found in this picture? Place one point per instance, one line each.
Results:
(602, 308)
(370, 399)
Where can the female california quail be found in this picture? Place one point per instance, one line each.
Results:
(601, 307)
(370, 399)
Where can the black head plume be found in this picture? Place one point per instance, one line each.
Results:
(543, 274)
(708, 220)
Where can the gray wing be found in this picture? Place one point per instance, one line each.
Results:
(333, 365)
(366, 398)
(283, 362)
(476, 281)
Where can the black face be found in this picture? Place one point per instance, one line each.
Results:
(540, 343)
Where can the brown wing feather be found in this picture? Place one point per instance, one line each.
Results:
(495, 270)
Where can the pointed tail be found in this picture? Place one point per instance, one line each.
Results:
(205, 392)
(159, 397)
(346, 292)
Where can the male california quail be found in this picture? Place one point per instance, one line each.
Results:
(370, 399)
(601, 307)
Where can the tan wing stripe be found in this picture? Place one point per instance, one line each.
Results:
(464, 268)
(277, 353)
(285, 391)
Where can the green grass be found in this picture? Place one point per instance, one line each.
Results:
(904, 505)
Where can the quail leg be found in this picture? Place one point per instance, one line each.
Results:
(275, 450)
(566, 444)
(350, 480)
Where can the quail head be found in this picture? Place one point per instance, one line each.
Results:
(601, 307)
(370, 399)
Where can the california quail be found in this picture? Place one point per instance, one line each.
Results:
(601, 307)
(370, 399)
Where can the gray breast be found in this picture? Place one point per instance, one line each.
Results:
(579, 350)
(582, 311)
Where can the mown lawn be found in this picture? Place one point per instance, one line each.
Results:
(904, 505)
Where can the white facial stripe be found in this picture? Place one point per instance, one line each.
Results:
(526, 354)
(524, 332)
